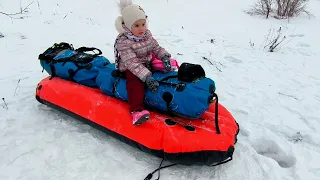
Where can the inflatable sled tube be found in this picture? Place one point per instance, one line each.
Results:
(181, 141)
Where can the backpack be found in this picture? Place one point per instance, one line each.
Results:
(175, 97)
(77, 65)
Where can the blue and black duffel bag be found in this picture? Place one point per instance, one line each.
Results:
(184, 96)
(77, 65)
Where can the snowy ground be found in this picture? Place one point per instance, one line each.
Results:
(275, 97)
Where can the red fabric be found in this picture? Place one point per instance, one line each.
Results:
(135, 89)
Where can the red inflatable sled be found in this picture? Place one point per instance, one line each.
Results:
(181, 141)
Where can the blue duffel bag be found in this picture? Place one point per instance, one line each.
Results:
(181, 98)
(77, 65)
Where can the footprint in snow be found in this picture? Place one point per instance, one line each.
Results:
(242, 114)
(271, 149)
(177, 40)
(301, 44)
(244, 131)
(233, 59)
(296, 35)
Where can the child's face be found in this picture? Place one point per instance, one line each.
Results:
(139, 28)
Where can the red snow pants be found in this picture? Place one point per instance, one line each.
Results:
(135, 89)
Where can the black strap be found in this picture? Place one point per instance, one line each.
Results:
(178, 86)
(46, 56)
(149, 176)
(63, 45)
(53, 72)
(216, 113)
(50, 53)
(86, 49)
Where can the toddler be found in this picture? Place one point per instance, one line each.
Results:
(133, 49)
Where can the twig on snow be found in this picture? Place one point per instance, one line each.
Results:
(211, 63)
(280, 93)
(207, 60)
(218, 69)
(5, 103)
(251, 44)
(65, 16)
(17, 87)
(39, 6)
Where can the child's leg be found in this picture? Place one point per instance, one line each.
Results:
(135, 88)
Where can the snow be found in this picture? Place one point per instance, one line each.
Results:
(274, 96)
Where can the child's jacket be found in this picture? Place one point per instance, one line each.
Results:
(136, 55)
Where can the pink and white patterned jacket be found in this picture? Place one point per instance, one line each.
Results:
(136, 56)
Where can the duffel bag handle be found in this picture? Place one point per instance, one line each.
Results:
(86, 49)
(179, 87)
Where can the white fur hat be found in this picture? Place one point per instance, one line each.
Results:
(130, 14)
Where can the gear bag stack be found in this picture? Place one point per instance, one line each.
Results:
(187, 99)
(185, 93)
(77, 65)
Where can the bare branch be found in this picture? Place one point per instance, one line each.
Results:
(12, 15)
(274, 40)
(262, 7)
(280, 9)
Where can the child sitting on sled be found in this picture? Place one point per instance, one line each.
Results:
(134, 47)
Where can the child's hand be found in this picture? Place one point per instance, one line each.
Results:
(152, 84)
(166, 63)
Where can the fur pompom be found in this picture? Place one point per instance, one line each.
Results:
(118, 24)
(124, 3)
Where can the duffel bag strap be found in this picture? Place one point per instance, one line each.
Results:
(179, 87)
(50, 53)
(87, 49)
(216, 113)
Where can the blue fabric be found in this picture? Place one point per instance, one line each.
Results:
(192, 101)
(87, 73)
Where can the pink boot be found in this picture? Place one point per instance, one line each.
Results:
(139, 117)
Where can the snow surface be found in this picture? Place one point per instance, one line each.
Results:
(275, 97)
